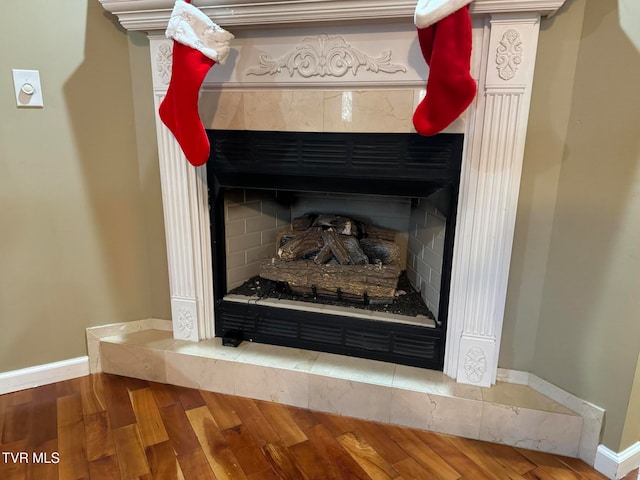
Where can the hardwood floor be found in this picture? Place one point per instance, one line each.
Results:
(110, 427)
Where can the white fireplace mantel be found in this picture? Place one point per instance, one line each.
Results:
(505, 36)
(146, 15)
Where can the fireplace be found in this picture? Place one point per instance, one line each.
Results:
(400, 184)
(258, 89)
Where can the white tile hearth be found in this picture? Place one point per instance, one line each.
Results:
(506, 413)
(529, 428)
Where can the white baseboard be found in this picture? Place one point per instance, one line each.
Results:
(616, 465)
(43, 374)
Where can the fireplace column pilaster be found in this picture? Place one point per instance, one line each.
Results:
(489, 187)
(185, 204)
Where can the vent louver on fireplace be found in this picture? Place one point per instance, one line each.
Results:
(382, 164)
(402, 165)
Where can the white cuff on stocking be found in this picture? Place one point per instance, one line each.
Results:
(429, 12)
(191, 27)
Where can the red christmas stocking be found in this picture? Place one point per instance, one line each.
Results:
(198, 44)
(446, 46)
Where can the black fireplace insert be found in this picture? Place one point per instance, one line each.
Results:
(390, 164)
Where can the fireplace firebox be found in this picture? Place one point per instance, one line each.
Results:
(274, 176)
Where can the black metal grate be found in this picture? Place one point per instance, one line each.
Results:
(410, 344)
(240, 321)
(386, 341)
(275, 325)
(392, 164)
(368, 340)
(321, 333)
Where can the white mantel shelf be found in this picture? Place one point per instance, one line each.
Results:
(149, 15)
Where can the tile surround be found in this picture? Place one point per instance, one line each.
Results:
(312, 110)
(369, 111)
(222, 111)
(505, 413)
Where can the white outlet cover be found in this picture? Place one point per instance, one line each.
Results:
(27, 88)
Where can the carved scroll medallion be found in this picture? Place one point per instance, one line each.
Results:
(509, 54)
(322, 56)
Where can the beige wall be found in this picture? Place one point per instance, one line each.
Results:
(149, 175)
(73, 197)
(574, 314)
(630, 20)
(631, 429)
(548, 124)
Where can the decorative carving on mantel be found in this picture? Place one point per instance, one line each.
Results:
(322, 56)
(509, 54)
(475, 364)
(184, 323)
(164, 57)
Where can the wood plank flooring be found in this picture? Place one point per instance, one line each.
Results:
(111, 427)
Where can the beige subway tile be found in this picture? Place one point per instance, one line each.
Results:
(436, 280)
(244, 211)
(438, 243)
(275, 209)
(269, 236)
(235, 228)
(260, 253)
(236, 260)
(436, 220)
(433, 259)
(412, 276)
(256, 194)
(242, 243)
(416, 247)
(283, 220)
(433, 296)
(425, 236)
(234, 195)
(423, 269)
(263, 222)
(237, 276)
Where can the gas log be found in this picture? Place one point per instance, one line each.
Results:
(349, 282)
(333, 255)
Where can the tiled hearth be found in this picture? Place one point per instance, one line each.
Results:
(509, 413)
